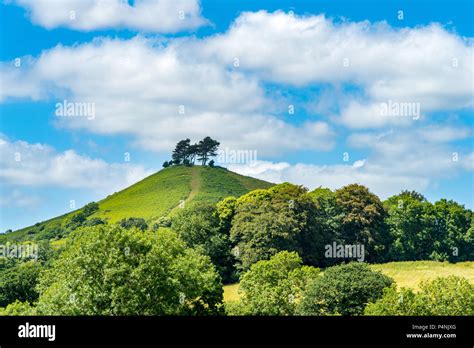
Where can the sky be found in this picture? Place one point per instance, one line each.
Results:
(95, 94)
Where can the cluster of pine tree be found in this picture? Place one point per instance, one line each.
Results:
(187, 153)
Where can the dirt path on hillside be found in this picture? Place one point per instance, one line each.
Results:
(195, 186)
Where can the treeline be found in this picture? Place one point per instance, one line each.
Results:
(186, 153)
(274, 241)
(238, 232)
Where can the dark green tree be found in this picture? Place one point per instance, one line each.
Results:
(180, 153)
(18, 282)
(198, 226)
(281, 218)
(131, 222)
(207, 148)
(362, 221)
(344, 290)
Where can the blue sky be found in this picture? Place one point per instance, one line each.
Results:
(236, 71)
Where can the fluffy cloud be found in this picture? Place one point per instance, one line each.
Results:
(414, 160)
(25, 164)
(427, 65)
(164, 16)
(150, 90)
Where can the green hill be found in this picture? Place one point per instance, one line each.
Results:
(158, 195)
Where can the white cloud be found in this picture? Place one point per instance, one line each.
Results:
(163, 16)
(25, 164)
(426, 65)
(17, 198)
(139, 85)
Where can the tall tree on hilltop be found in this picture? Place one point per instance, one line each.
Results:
(180, 152)
(207, 147)
(192, 153)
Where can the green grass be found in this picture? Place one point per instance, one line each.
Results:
(231, 292)
(158, 195)
(407, 274)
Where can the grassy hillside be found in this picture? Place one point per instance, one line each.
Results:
(406, 274)
(160, 194)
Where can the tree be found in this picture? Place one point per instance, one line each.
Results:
(206, 148)
(109, 270)
(449, 296)
(166, 164)
(133, 222)
(420, 230)
(281, 218)
(362, 221)
(343, 290)
(90, 208)
(451, 238)
(95, 221)
(192, 153)
(180, 153)
(273, 287)
(18, 282)
(198, 226)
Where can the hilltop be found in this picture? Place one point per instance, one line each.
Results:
(158, 195)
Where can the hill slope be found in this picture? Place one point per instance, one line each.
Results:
(160, 194)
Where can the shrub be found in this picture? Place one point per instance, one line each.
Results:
(344, 290)
(128, 223)
(442, 296)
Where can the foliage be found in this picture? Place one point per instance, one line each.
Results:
(449, 296)
(185, 153)
(18, 308)
(206, 148)
(421, 230)
(280, 218)
(18, 281)
(94, 222)
(343, 290)
(109, 270)
(198, 226)
(362, 221)
(133, 222)
(90, 208)
(273, 287)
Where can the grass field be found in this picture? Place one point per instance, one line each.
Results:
(406, 274)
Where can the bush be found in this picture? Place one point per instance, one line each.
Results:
(18, 308)
(128, 223)
(442, 296)
(273, 287)
(163, 221)
(90, 208)
(343, 290)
